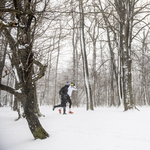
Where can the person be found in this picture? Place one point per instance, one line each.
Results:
(70, 89)
(63, 92)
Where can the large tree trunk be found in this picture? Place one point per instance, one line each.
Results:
(28, 90)
(33, 122)
(84, 58)
(125, 35)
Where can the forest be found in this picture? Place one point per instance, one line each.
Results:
(103, 46)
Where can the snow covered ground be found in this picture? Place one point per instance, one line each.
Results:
(101, 129)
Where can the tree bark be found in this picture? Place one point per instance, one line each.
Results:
(84, 58)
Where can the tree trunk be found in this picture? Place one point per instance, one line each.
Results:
(75, 60)
(113, 70)
(84, 58)
(33, 122)
(125, 47)
(28, 90)
(3, 49)
(57, 61)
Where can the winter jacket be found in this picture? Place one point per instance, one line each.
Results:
(70, 89)
(64, 90)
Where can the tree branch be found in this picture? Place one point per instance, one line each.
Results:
(12, 91)
(41, 72)
(15, 11)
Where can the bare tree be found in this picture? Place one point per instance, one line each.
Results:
(84, 58)
(22, 60)
(124, 13)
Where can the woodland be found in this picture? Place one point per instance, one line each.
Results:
(103, 46)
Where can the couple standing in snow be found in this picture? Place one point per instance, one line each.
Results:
(65, 93)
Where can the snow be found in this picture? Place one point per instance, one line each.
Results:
(101, 129)
(22, 47)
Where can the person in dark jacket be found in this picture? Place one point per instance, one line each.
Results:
(63, 92)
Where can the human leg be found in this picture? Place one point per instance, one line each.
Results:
(70, 103)
(63, 103)
(64, 110)
(57, 106)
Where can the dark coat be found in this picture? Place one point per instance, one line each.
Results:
(64, 90)
(64, 96)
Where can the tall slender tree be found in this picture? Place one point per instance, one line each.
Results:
(84, 58)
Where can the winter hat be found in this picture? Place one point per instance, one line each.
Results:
(67, 83)
(72, 84)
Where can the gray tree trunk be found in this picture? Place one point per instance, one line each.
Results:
(84, 58)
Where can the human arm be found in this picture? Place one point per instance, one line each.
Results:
(74, 88)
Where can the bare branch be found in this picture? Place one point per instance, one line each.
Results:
(15, 11)
(146, 25)
(42, 70)
(6, 88)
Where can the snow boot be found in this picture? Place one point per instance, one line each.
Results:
(60, 111)
(70, 112)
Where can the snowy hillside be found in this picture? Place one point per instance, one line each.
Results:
(101, 129)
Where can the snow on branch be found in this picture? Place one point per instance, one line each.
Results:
(12, 91)
(10, 24)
